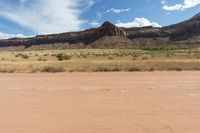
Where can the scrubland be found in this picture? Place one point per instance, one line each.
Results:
(101, 60)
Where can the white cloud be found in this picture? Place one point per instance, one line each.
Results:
(138, 22)
(46, 16)
(172, 8)
(117, 11)
(163, 2)
(99, 15)
(182, 6)
(94, 24)
(7, 36)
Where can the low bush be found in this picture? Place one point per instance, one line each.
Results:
(24, 56)
(145, 58)
(5, 70)
(151, 69)
(107, 69)
(63, 56)
(175, 69)
(110, 58)
(132, 69)
(52, 69)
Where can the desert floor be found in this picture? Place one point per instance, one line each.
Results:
(138, 102)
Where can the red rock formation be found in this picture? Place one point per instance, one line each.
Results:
(183, 33)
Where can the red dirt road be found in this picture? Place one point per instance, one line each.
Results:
(157, 102)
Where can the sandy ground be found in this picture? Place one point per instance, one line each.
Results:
(157, 102)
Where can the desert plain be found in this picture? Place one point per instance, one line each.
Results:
(112, 102)
(142, 76)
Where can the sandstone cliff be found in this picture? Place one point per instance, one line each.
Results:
(109, 35)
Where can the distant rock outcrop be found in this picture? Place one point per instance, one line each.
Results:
(109, 35)
(108, 29)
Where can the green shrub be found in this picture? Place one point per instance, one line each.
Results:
(63, 56)
(24, 56)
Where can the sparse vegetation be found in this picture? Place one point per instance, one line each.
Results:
(110, 58)
(107, 69)
(132, 69)
(24, 56)
(7, 70)
(145, 58)
(52, 69)
(63, 56)
(101, 60)
(151, 69)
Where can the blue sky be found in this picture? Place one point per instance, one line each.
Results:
(21, 18)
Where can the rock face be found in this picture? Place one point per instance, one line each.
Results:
(108, 35)
(108, 29)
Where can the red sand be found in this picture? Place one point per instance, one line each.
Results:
(157, 102)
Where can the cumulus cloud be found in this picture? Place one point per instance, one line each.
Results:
(46, 16)
(117, 11)
(7, 36)
(138, 22)
(182, 6)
